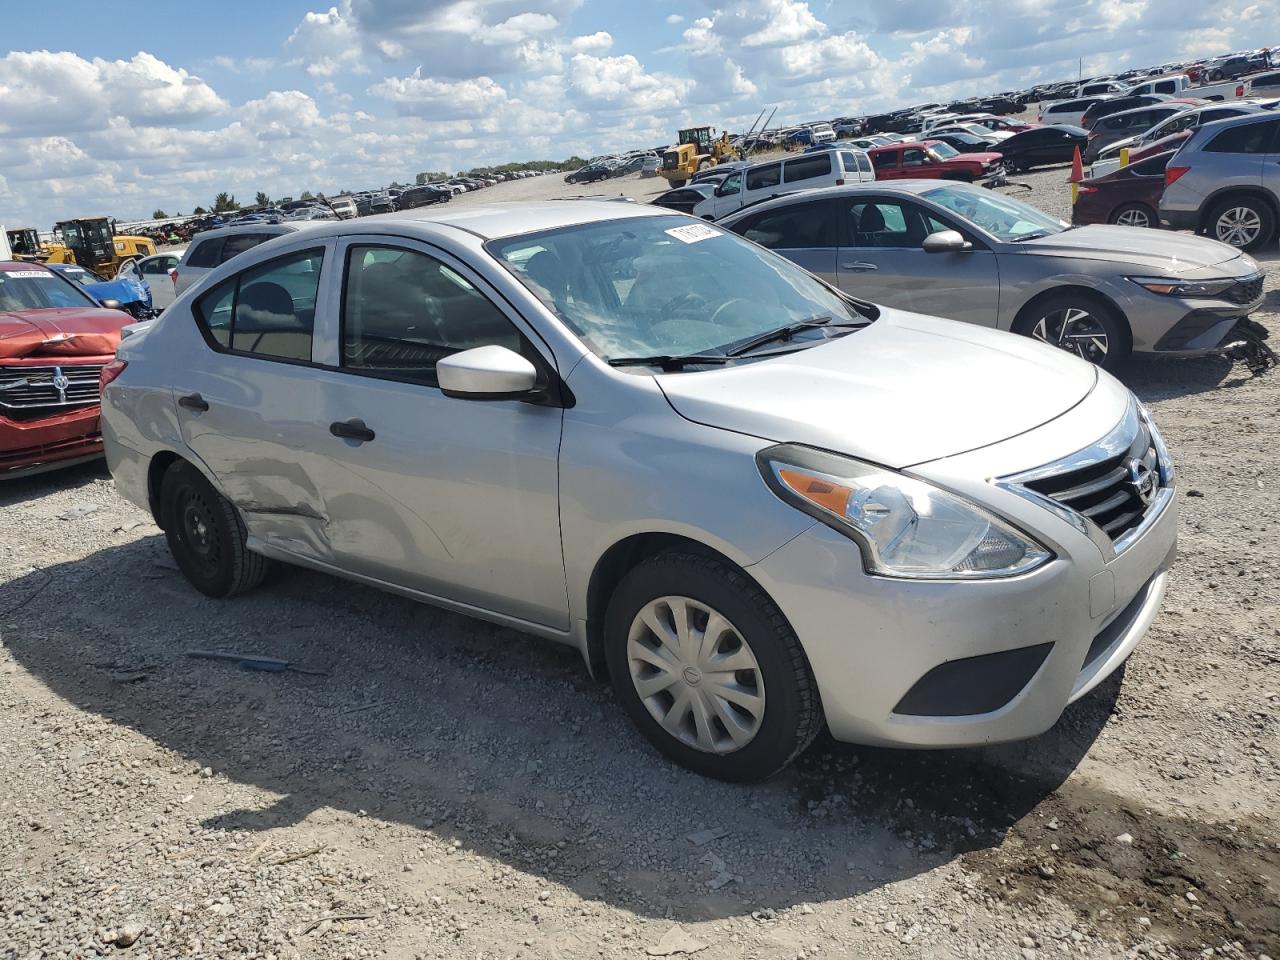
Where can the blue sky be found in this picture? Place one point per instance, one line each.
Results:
(123, 111)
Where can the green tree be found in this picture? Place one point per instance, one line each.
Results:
(199, 212)
(158, 214)
(307, 195)
(224, 202)
(262, 200)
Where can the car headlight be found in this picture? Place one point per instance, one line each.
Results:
(903, 526)
(1170, 287)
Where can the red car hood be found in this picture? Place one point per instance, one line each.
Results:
(65, 332)
(965, 159)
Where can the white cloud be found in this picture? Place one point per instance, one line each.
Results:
(593, 43)
(327, 43)
(674, 18)
(440, 99)
(622, 84)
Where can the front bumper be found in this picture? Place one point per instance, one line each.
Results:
(34, 446)
(872, 641)
(1162, 324)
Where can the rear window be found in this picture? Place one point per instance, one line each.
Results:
(1245, 138)
(241, 242)
(807, 168)
(205, 253)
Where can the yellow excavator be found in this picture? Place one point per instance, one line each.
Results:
(695, 151)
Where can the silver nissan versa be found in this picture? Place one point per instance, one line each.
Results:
(761, 506)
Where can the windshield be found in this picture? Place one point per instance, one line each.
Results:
(664, 285)
(36, 289)
(1003, 217)
(944, 151)
(82, 276)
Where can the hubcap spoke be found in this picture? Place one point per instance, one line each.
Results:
(696, 675)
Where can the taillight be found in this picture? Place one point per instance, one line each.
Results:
(1171, 174)
(1081, 188)
(1239, 89)
(173, 275)
(1094, 134)
(109, 372)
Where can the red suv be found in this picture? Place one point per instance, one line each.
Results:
(931, 160)
(54, 341)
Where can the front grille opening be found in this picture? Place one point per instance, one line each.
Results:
(1246, 291)
(1108, 493)
(28, 392)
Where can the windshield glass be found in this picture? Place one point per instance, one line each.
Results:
(652, 286)
(1003, 217)
(82, 276)
(36, 289)
(944, 150)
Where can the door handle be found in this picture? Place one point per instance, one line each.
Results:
(351, 430)
(193, 401)
(859, 266)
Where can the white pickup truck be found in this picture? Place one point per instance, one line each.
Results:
(1180, 85)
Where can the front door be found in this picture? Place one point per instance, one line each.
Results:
(454, 498)
(804, 233)
(881, 259)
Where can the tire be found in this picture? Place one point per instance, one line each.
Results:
(1244, 222)
(677, 184)
(1043, 319)
(206, 535)
(778, 711)
(1134, 215)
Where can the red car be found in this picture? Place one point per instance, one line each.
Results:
(1129, 197)
(931, 160)
(54, 341)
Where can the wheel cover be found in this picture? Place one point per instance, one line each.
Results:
(1074, 329)
(1135, 217)
(696, 675)
(198, 532)
(1238, 226)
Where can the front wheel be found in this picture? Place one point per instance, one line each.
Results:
(1079, 324)
(708, 668)
(206, 535)
(676, 184)
(1243, 222)
(1134, 215)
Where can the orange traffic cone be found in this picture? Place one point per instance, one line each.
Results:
(1077, 174)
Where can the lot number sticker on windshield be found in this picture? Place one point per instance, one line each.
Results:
(693, 233)
(28, 274)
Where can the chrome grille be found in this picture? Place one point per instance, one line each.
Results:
(34, 387)
(1245, 291)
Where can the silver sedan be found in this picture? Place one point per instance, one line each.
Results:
(759, 506)
(970, 254)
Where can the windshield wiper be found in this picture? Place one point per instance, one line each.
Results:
(1033, 235)
(668, 361)
(787, 332)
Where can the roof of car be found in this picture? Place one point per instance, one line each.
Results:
(12, 265)
(880, 187)
(513, 219)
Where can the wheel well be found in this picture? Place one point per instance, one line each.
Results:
(155, 474)
(1084, 292)
(617, 562)
(1256, 193)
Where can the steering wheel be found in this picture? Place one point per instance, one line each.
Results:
(685, 301)
(715, 317)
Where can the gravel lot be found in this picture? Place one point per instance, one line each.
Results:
(443, 788)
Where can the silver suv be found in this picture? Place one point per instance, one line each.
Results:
(215, 247)
(1225, 181)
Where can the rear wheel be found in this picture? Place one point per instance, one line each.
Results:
(1079, 324)
(1243, 222)
(1134, 215)
(708, 668)
(676, 184)
(206, 535)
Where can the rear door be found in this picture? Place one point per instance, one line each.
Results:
(881, 259)
(804, 233)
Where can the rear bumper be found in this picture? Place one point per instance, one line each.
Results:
(33, 446)
(1180, 219)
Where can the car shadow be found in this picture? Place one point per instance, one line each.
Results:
(1164, 378)
(20, 489)
(482, 735)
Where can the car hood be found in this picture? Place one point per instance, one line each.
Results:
(68, 332)
(906, 390)
(1172, 254)
(123, 289)
(967, 158)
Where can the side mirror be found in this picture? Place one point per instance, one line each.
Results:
(946, 241)
(487, 373)
(112, 304)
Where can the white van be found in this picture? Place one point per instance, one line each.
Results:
(762, 181)
(1066, 113)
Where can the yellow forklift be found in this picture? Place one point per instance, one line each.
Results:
(91, 242)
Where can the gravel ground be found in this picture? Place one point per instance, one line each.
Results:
(444, 788)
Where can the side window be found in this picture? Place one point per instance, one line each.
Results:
(791, 227)
(206, 253)
(886, 161)
(886, 224)
(1165, 86)
(1245, 138)
(404, 311)
(806, 168)
(914, 158)
(268, 311)
(732, 184)
(151, 267)
(763, 177)
(864, 163)
(239, 243)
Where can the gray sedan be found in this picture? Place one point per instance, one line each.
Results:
(966, 253)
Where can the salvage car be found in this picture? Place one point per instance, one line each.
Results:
(932, 158)
(630, 431)
(1129, 196)
(1042, 146)
(127, 292)
(157, 271)
(684, 199)
(54, 341)
(966, 253)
